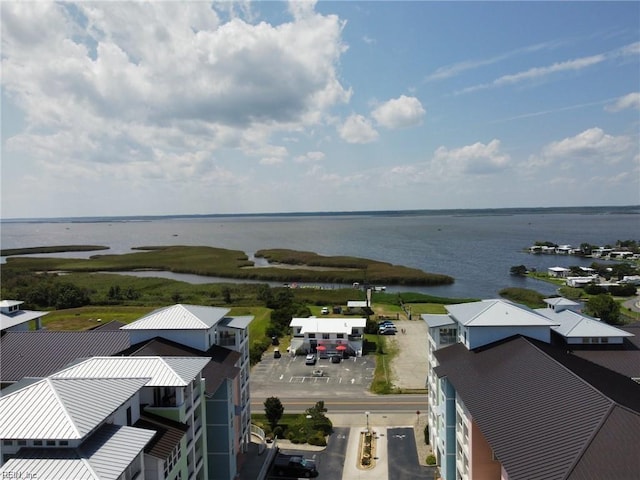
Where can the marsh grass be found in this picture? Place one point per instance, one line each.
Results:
(219, 262)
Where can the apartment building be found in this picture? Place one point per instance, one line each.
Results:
(196, 442)
(228, 421)
(509, 398)
(91, 420)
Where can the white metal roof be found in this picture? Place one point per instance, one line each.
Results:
(437, 320)
(237, 322)
(561, 301)
(161, 371)
(179, 317)
(105, 456)
(496, 313)
(17, 317)
(357, 303)
(10, 303)
(328, 325)
(63, 409)
(573, 324)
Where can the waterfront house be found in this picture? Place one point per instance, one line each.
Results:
(508, 400)
(558, 272)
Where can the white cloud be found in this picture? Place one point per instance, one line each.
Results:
(117, 82)
(357, 129)
(539, 72)
(592, 145)
(309, 157)
(271, 161)
(457, 68)
(631, 100)
(399, 112)
(478, 158)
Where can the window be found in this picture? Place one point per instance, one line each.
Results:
(312, 335)
(325, 336)
(63, 443)
(129, 415)
(7, 443)
(37, 443)
(22, 443)
(51, 443)
(340, 335)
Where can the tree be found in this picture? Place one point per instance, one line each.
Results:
(273, 409)
(604, 307)
(518, 270)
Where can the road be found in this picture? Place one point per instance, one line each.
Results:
(390, 404)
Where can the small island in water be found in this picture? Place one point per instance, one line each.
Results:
(282, 265)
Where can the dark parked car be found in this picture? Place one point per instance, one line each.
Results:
(276, 353)
(335, 358)
(294, 466)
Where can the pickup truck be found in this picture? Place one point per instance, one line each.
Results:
(294, 466)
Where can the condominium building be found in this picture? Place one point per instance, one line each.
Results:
(92, 420)
(228, 421)
(509, 398)
(201, 423)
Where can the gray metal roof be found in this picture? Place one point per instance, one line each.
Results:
(160, 371)
(433, 320)
(538, 416)
(179, 317)
(112, 448)
(40, 353)
(104, 456)
(63, 409)
(577, 325)
(495, 313)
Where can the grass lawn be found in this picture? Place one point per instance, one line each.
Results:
(84, 318)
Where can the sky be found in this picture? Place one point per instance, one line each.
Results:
(167, 108)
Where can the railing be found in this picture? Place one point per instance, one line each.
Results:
(258, 432)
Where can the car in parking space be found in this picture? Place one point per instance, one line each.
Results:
(335, 358)
(388, 331)
(387, 327)
(325, 311)
(311, 359)
(386, 323)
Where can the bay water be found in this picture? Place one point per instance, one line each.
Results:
(476, 247)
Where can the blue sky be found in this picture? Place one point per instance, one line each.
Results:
(122, 108)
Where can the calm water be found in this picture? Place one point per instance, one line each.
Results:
(476, 249)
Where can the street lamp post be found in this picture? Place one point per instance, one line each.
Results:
(367, 414)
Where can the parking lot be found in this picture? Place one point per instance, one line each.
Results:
(293, 375)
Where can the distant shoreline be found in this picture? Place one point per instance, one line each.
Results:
(594, 210)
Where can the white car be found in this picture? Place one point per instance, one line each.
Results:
(311, 359)
(325, 311)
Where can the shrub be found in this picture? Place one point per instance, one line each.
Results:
(431, 460)
(594, 289)
(622, 290)
(317, 439)
(278, 431)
